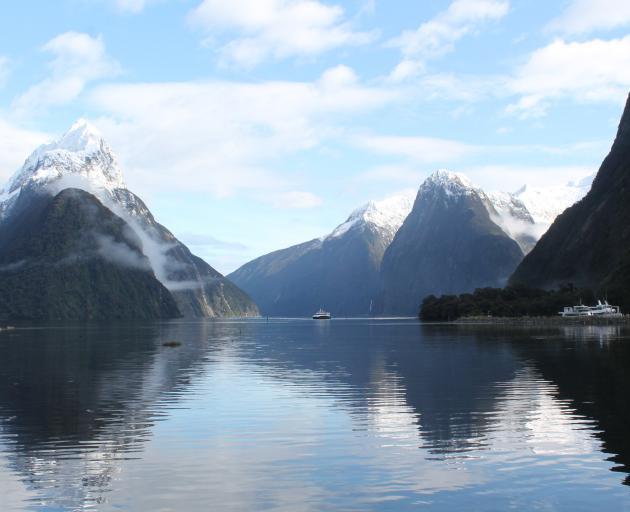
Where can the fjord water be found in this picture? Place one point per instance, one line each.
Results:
(303, 415)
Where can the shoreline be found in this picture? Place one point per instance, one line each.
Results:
(543, 320)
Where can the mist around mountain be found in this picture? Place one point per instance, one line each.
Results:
(588, 244)
(69, 257)
(81, 159)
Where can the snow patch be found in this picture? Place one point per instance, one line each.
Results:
(449, 182)
(546, 203)
(386, 215)
(81, 151)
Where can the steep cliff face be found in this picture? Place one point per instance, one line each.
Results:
(447, 244)
(69, 258)
(589, 244)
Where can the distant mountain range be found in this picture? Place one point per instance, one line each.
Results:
(455, 237)
(544, 204)
(340, 271)
(113, 237)
(75, 242)
(589, 244)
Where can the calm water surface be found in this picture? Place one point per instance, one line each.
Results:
(301, 415)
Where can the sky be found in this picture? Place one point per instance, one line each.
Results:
(251, 125)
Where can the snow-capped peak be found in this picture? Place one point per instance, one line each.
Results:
(80, 155)
(387, 214)
(82, 136)
(509, 204)
(546, 203)
(453, 183)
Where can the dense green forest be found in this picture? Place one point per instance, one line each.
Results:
(502, 302)
(71, 258)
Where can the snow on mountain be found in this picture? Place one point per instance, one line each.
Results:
(82, 159)
(524, 215)
(511, 214)
(450, 243)
(507, 204)
(451, 183)
(527, 213)
(386, 215)
(546, 203)
(505, 210)
(80, 153)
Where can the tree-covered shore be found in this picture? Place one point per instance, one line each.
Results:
(512, 301)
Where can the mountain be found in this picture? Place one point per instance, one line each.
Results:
(589, 244)
(545, 203)
(82, 159)
(510, 214)
(526, 214)
(344, 271)
(69, 257)
(448, 244)
(339, 271)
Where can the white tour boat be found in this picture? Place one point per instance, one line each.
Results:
(322, 315)
(600, 310)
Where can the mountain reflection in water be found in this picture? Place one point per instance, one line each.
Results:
(287, 415)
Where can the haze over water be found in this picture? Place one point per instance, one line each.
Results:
(303, 415)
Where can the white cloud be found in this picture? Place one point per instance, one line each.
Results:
(438, 36)
(78, 59)
(221, 137)
(583, 16)
(405, 69)
(15, 145)
(595, 70)
(276, 28)
(423, 150)
(338, 76)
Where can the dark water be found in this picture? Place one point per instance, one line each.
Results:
(302, 415)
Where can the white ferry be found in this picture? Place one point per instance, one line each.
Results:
(599, 310)
(322, 315)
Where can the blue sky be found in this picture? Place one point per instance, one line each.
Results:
(251, 125)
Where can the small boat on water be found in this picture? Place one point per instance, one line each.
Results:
(322, 315)
(600, 310)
